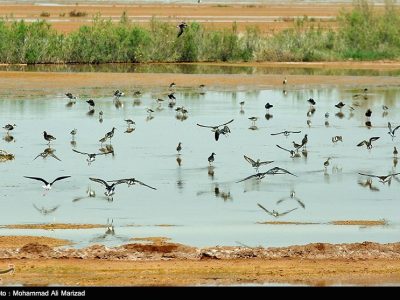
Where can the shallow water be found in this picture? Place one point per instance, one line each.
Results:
(196, 69)
(185, 195)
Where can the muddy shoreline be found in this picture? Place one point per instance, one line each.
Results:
(156, 261)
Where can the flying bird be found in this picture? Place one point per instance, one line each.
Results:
(110, 188)
(258, 163)
(292, 152)
(368, 143)
(383, 178)
(131, 181)
(273, 171)
(91, 156)
(292, 196)
(217, 130)
(286, 132)
(392, 131)
(47, 185)
(274, 213)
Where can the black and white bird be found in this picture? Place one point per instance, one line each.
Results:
(181, 27)
(368, 143)
(9, 127)
(273, 171)
(131, 181)
(70, 96)
(216, 129)
(292, 152)
(311, 101)
(286, 132)
(110, 188)
(392, 131)
(91, 156)
(211, 158)
(274, 213)
(48, 137)
(382, 178)
(268, 106)
(118, 94)
(293, 197)
(179, 147)
(256, 163)
(340, 105)
(47, 185)
(91, 103)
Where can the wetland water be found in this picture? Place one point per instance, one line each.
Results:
(186, 195)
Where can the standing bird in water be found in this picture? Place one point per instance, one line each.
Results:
(179, 148)
(48, 137)
(284, 82)
(268, 106)
(211, 158)
(181, 27)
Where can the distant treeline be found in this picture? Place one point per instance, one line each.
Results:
(363, 34)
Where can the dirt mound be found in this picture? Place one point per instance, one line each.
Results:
(160, 248)
(35, 248)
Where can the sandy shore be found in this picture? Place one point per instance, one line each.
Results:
(156, 261)
(268, 17)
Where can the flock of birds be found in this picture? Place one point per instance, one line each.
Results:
(217, 130)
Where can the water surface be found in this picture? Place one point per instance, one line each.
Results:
(186, 195)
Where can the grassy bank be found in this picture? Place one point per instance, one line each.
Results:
(363, 34)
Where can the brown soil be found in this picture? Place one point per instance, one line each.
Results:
(23, 83)
(21, 240)
(165, 263)
(268, 18)
(286, 223)
(53, 226)
(360, 222)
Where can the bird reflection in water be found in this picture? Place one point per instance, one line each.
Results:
(8, 138)
(218, 193)
(368, 184)
(368, 124)
(46, 211)
(89, 194)
(268, 116)
(107, 149)
(340, 115)
(48, 152)
(211, 172)
(109, 233)
(179, 160)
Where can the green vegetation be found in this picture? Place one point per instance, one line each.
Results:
(363, 34)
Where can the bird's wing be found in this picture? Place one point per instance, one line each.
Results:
(251, 176)
(37, 208)
(216, 135)
(390, 126)
(145, 184)
(40, 154)
(301, 203)
(288, 211)
(226, 123)
(397, 127)
(99, 181)
(60, 178)
(374, 138)
(53, 209)
(276, 170)
(264, 209)
(213, 127)
(265, 162)
(37, 178)
(281, 200)
(368, 175)
(294, 131)
(283, 148)
(277, 133)
(362, 143)
(53, 155)
(394, 174)
(249, 160)
(84, 153)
